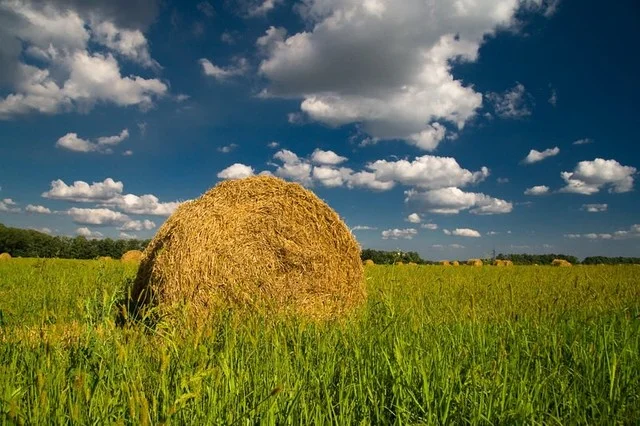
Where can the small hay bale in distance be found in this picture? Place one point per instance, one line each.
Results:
(254, 244)
(399, 263)
(444, 263)
(455, 263)
(5, 256)
(104, 258)
(412, 264)
(474, 262)
(132, 256)
(369, 262)
(560, 262)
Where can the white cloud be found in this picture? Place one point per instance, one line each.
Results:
(391, 72)
(537, 190)
(331, 177)
(463, 232)
(395, 234)
(109, 193)
(240, 67)
(83, 192)
(584, 141)
(502, 180)
(227, 148)
(87, 233)
(131, 44)
(273, 144)
(127, 153)
(428, 171)
(206, 8)
(326, 157)
(589, 177)
(553, 99)
(72, 142)
(535, 156)
(632, 232)
(127, 236)
(37, 209)
(363, 228)
(8, 206)
(138, 225)
(236, 171)
(452, 200)
(413, 218)
(492, 233)
(263, 7)
(429, 226)
(293, 167)
(595, 208)
(513, 103)
(456, 246)
(97, 216)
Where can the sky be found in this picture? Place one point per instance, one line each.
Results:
(450, 128)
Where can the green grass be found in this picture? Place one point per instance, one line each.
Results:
(434, 345)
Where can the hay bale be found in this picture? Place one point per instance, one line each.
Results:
(104, 258)
(369, 262)
(474, 262)
(560, 262)
(399, 263)
(455, 263)
(253, 244)
(5, 256)
(412, 264)
(132, 256)
(444, 263)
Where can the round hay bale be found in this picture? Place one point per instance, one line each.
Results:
(132, 256)
(5, 256)
(560, 262)
(474, 262)
(444, 263)
(455, 263)
(412, 264)
(498, 262)
(369, 262)
(399, 263)
(254, 244)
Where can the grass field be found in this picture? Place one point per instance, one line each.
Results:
(433, 345)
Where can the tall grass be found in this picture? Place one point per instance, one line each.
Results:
(533, 345)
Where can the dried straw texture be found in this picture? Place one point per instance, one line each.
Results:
(259, 244)
(369, 262)
(474, 262)
(560, 262)
(399, 263)
(132, 256)
(445, 263)
(5, 256)
(455, 263)
(499, 262)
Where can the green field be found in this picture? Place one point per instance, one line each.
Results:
(433, 345)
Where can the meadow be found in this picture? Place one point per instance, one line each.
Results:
(433, 345)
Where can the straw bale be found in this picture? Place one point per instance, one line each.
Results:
(253, 244)
(104, 258)
(445, 263)
(369, 262)
(412, 264)
(474, 262)
(560, 262)
(5, 256)
(455, 263)
(132, 256)
(399, 263)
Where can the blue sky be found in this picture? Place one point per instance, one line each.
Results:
(448, 128)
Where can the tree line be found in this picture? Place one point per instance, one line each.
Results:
(30, 243)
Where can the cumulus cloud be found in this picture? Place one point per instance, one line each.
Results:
(262, 7)
(395, 234)
(327, 157)
(109, 193)
(595, 208)
(452, 200)
(72, 142)
(100, 216)
(236, 171)
(7, 205)
(37, 209)
(363, 228)
(537, 190)
(69, 75)
(632, 232)
(463, 232)
(138, 225)
(87, 233)
(535, 156)
(513, 103)
(589, 177)
(413, 218)
(239, 67)
(386, 66)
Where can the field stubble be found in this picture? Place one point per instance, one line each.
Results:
(433, 345)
